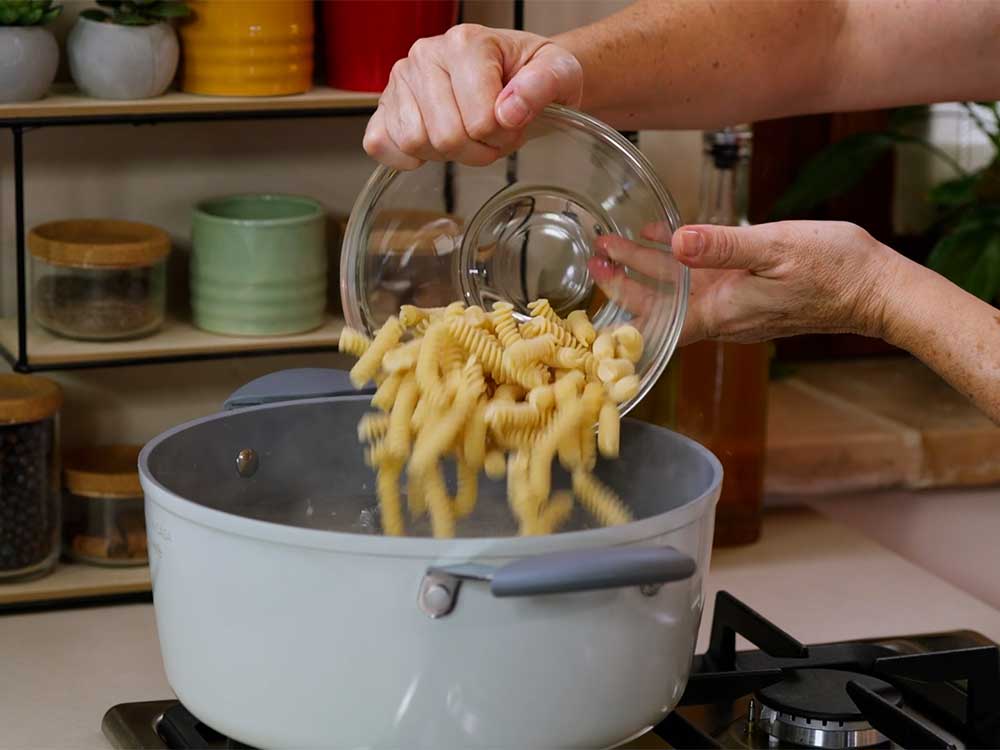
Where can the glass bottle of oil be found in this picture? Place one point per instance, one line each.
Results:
(722, 388)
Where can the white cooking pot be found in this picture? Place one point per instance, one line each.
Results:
(284, 624)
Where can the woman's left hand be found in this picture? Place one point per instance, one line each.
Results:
(760, 282)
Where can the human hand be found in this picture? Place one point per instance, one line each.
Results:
(467, 96)
(751, 284)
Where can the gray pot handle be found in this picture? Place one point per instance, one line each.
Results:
(591, 570)
(294, 385)
(559, 573)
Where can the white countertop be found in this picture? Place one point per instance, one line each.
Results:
(819, 581)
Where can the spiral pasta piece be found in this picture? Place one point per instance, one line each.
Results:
(608, 430)
(468, 486)
(624, 389)
(510, 415)
(402, 358)
(385, 394)
(353, 342)
(372, 426)
(604, 346)
(474, 437)
(542, 308)
(628, 342)
(401, 418)
(495, 464)
(543, 326)
(600, 500)
(438, 503)
(581, 327)
(481, 345)
(505, 324)
(428, 368)
(555, 513)
(387, 490)
(613, 370)
(368, 363)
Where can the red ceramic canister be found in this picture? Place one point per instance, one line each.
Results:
(364, 38)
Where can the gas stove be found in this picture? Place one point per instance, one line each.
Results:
(939, 690)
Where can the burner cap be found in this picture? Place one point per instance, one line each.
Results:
(811, 708)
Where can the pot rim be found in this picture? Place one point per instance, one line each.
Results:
(415, 547)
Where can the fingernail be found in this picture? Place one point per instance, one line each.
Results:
(693, 243)
(600, 267)
(513, 111)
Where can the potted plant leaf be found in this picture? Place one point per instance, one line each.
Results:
(125, 49)
(29, 54)
(964, 231)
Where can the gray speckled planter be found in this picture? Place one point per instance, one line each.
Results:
(29, 57)
(109, 61)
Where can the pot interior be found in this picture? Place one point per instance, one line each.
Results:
(307, 470)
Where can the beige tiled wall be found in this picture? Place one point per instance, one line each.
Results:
(155, 173)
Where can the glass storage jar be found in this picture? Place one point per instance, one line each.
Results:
(103, 506)
(99, 279)
(524, 228)
(29, 476)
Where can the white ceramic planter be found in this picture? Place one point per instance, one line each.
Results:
(29, 57)
(108, 61)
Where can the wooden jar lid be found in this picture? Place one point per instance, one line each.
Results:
(99, 243)
(27, 398)
(103, 471)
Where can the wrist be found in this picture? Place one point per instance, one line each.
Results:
(906, 284)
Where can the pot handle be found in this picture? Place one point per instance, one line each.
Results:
(294, 385)
(591, 570)
(578, 570)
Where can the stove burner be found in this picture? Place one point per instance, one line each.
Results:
(812, 708)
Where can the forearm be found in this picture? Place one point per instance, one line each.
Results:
(954, 333)
(688, 64)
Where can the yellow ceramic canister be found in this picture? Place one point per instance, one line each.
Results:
(248, 47)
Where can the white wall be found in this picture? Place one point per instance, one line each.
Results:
(155, 173)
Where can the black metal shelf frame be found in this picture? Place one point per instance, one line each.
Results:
(20, 361)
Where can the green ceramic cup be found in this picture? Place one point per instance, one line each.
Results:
(258, 265)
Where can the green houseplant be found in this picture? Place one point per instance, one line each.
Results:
(29, 54)
(125, 49)
(965, 227)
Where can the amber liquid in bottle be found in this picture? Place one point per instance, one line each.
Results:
(722, 388)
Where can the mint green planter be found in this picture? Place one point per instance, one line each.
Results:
(258, 265)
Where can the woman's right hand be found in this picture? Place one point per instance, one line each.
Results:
(467, 96)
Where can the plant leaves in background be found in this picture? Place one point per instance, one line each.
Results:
(167, 9)
(953, 193)
(833, 171)
(983, 279)
(93, 14)
(988, 188)
(904, 117)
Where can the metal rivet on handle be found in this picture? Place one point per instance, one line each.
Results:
(247, 463)
(437, 594)
(650, 589)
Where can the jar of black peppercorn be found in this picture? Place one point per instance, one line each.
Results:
(29, 476)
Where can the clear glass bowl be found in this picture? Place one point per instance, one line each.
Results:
(521, 229)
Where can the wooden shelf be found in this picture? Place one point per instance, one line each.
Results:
(66, 104)
(72, 581)
(176, 340)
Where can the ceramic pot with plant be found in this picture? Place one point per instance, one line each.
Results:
(29, 54)
(126, 49)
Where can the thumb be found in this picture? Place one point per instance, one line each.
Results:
(709, 246)
(552, 76)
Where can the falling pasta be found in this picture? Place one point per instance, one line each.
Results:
(498, 396)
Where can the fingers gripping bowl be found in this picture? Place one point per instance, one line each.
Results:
(525, 228)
